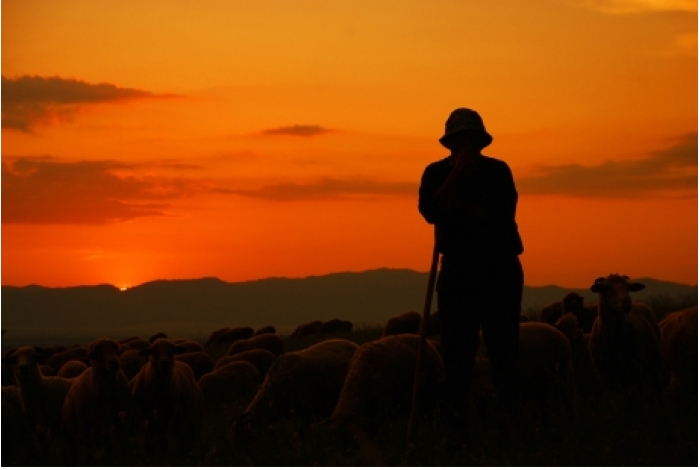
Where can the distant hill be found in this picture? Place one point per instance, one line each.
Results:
(198, 306)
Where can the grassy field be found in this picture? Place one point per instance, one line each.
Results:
(665, 435)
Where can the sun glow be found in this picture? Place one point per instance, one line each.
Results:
(123, 288)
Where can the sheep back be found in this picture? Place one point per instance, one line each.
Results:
(269, 341)
(380, 379)
(262, 359)
(679, 346)
(406, 323)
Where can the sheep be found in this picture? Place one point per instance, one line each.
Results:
(406, 323)
(138, 344)
(131, 362)
(552, 312)
(199, 362)
(262, 359)
(156, 336)
(71, 369)
(335, 326)
(624, 345)
(380, 380)
(679, 346)
(166, 396)
(42, 397)
(585, 314)
(16, 431)
(128, 340)
(524, 318)
(47, 371)
(235, 334)
(269, 341)
(188, 345)
(74, 354)
(545, 370)
(307, 329)
(306, 383)
(265, 329)
(214, 336)
(226, 392)
(97, 400)
(569, 325)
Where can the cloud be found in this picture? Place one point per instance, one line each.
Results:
(623, 7)
(328, 188)
(298, 130)
(30, 100)
(670, 170)
(45, 191)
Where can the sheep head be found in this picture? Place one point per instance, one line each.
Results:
(614, 293)
(162, 356)
(25, 363)
(568, 324)
(572, 303)
(104, 356)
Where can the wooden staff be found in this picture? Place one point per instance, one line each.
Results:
(423, 338)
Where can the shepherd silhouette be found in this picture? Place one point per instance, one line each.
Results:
(471, 198)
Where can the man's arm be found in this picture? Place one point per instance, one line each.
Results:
(438, 197)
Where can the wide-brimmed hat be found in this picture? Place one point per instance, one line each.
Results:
(464, 119)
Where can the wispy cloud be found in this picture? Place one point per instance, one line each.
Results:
(46, 191)
(329, 188)
(670, 170)
(298, 130)
(623, 7)
(30, 100)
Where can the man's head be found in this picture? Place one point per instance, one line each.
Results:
(463, 128)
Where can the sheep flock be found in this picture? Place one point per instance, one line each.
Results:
(602, 384)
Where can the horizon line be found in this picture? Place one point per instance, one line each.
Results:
(291, 278)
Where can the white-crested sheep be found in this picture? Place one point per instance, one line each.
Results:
(42, 397)
(406, 323)
(679, 347)
(301, 383)
(71, 369)
(624, 344)
(96, 402)
(268, 341)
(262, 359)
(199, 362)
(167, 399)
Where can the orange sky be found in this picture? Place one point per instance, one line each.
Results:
(154, 140)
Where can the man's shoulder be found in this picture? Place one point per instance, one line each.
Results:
(496, 164)
(438, 166)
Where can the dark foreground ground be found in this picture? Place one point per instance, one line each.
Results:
(666, 435)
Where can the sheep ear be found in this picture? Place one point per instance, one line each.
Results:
(635, 286)
(599, 285)
(146, 352)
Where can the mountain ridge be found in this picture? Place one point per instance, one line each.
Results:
(186, 307)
